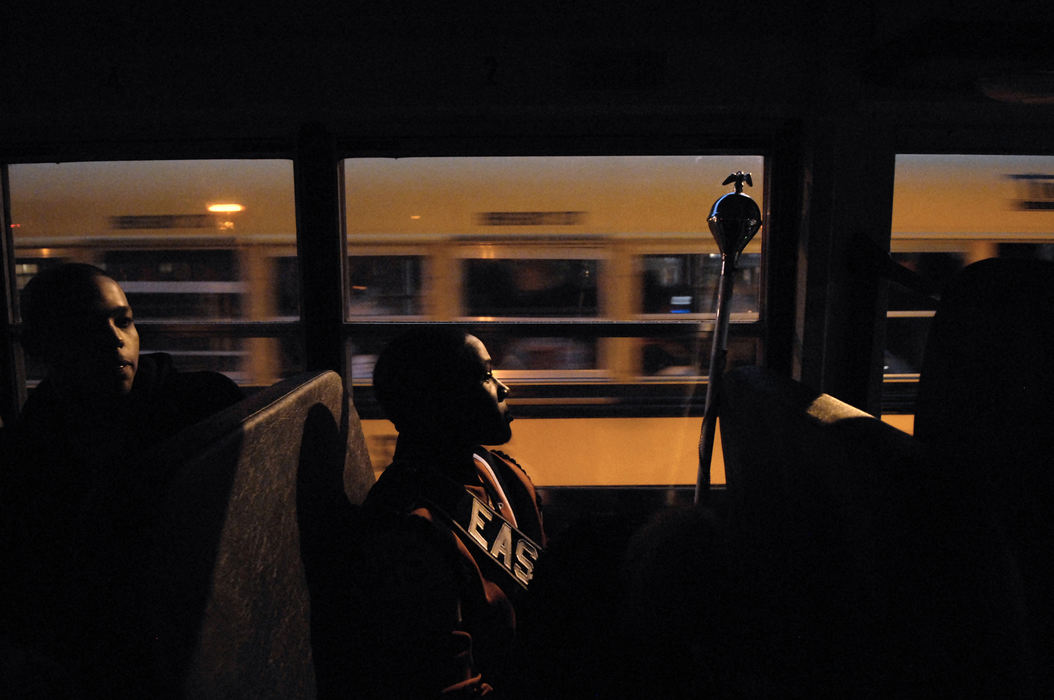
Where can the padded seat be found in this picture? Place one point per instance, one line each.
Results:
(257, 500)
(864, 567)
(987, 384)
(985, 406)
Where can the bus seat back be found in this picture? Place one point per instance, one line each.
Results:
(986, 405)
(260, 493)
(986, 389)
(859, 552)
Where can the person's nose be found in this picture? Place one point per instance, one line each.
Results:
(503, 390)
(114, 335)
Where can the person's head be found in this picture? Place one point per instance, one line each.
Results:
(436, 383)
(77, 320)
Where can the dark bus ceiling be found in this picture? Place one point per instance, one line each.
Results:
(126, 71)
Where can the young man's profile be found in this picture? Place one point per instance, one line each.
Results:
(467, 521)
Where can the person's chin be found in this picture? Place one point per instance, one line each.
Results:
(121, 386)
(111, 383)
(500, 437)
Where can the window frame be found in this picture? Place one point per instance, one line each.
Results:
(898, 392)
(317, 155)
(656, 391)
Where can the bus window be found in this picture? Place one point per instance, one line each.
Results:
(688, 283)
(534, 288)
(590, 279)
(178, 284)
(384, 285)
(689, 355)
(285, 281)
(950, 211)
(541, 354)
(201, 248)
(909, 312)
(531, 287)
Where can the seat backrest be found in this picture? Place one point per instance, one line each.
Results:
(986, 389)
(804, 449)
(986, 405)
(255, 497)
(862, 564)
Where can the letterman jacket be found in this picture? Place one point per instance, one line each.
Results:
(448, 567)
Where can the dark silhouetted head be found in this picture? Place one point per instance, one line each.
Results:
(435, 383)
(78, 321)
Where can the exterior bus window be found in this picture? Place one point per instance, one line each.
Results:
(590, 279)
(178, 284)
(285, 281)
(201, 248)
(689, 356)
(381, 287)
(909, 312)
(950, 211)
(534, 288)
(688, 283)
(384, 285)
(516, 356)
(530, 288)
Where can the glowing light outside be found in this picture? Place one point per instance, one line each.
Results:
(227, 208)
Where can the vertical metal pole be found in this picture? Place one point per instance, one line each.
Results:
(718, 354)
(13, 383)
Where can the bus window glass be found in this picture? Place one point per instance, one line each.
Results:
(688, 283)
(384, 285)
(178, 284)
(689, 355)
(539, 257)
(530, 288)
(935, 266)
(950, 211)
(286, 285)
(542, 354)
(205, 251)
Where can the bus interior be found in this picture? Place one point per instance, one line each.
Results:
(285, 190)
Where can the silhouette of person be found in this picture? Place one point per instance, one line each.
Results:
(74, 491)
(460, 527)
